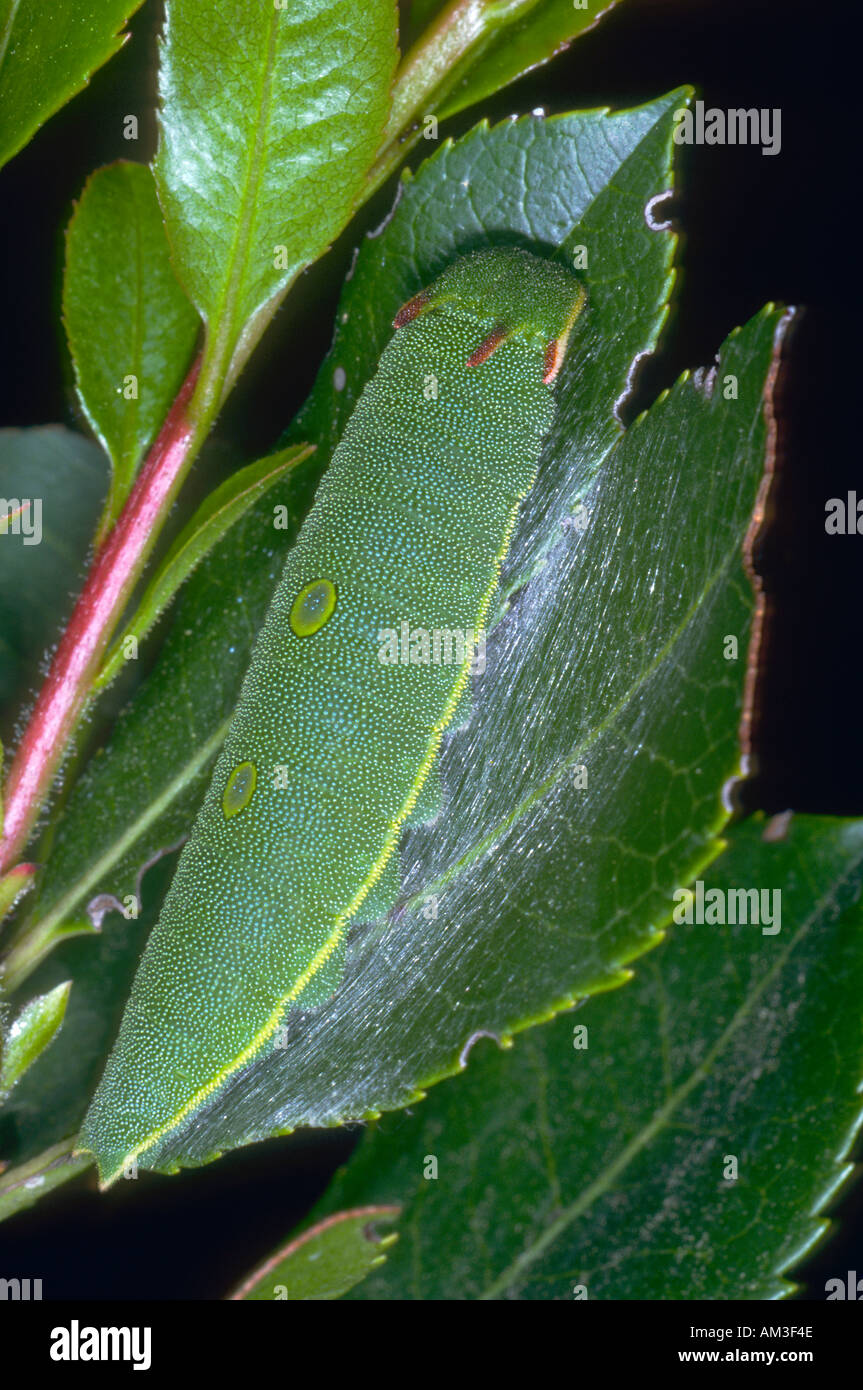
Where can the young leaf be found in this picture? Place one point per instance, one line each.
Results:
(535, 34)
(16, 882)
(47, 54)
(325, 1261)
(639, 1147)
(470, 51)
(271, 115)
(130, 327)
(213, 519)
(30, 1033)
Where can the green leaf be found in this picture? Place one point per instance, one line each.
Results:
(585, 790)
(64, 477)
(537, 33)
(534, 179)
(47, 54)
(22, 1187)
(606, 1166)
(270, 118)
(30, 1033)
(130, 327)
(325, 1261)
(213, 519)
(470, 51)
(15, 882)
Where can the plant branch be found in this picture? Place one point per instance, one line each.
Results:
(116, 569)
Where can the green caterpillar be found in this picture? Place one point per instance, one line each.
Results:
(332, 748)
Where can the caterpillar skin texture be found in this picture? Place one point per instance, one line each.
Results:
(330, 747)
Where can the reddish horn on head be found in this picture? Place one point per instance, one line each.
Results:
(487, 347)
(410, 310)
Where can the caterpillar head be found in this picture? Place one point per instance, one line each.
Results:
(512, 293)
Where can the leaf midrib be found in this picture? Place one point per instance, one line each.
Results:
(227, 334)
(6, 36)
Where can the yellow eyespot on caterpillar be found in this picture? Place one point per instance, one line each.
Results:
(278, 886)
(240, 789)
(313, 607)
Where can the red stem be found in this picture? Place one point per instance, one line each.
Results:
(109, 585)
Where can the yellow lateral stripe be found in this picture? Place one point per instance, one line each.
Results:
(322, 956)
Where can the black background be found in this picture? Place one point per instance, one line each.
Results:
(756, 228)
